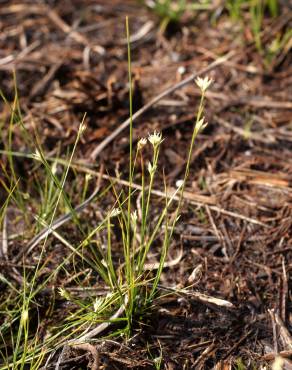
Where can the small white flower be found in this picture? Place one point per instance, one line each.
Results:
(88, 177)
(179, 183)
(103, 262)
(150, 168)
(114, 212)
(100, 301)
(155, 139)
(37, 155)
(134, 217)
(54, 168)
(141, 143)
(157, 360)
(203, 83)
(82, 128)
(63, 293)
(97, 304)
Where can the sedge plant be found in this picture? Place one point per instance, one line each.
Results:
(138, 235)
(97, 257)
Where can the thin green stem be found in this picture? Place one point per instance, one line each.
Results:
(129, 273)
(194, 135)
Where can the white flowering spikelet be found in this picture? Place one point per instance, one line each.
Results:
(101, 301)
(63, 293)
(134, 217)
(88, 177)
(114, 212)
(97, 304)
(203, 83)
(151, 168)
(24, 317)
(141, 143)
(82, 128)
(155, 139)
(37, 155)
(54, 168)
(200, 125)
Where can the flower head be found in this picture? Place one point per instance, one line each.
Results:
(141, 143)
(24, 317)
(97, 304)
(82, 128)
(100, 301)
(155, 139)
(200, 125)
(37, 155)
(88, 177)
(203, 83)
(151, 168)
(54, 168)
(63, 293)
(134, 217)
(114, 212)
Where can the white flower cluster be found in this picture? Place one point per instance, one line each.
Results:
(200, 125)
(141, 143)
(203, 83)
(82, 128)
(151, 168)
(155, 139)
(134, 217)
(63, 293)
(37, 155)
(114, 212)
